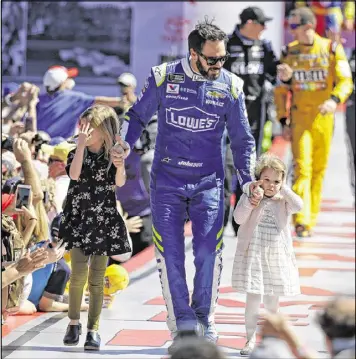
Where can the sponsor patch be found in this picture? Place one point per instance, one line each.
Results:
(188, 90)
(308, 56)
(220, 85)
(235, 48)
(215, 94)
(197, 77)
(172, 88)
(252, 68)
(255, 48)
(190, 164)
(191, 119)
(176, 78)
(237, 54)
(177, 97)
(258, 54)
(215, 103)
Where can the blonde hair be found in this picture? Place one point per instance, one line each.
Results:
(270, 161)
(40, 233)
(106, 120)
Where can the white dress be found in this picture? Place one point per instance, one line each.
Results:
(266, 267)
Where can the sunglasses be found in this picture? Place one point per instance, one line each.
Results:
(294, 26)
(211, 61)
(259, 23)
(52, 160)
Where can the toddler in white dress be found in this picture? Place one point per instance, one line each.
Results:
(265, 264)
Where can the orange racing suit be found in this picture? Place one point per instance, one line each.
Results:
(320, 72)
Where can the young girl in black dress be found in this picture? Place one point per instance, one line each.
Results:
(91, 225)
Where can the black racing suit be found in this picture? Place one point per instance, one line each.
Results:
(350, 124)
(254, 62)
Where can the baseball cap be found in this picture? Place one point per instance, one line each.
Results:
(11, 184)
(9, 162)
(56, 75)
(127, 79)
(59, 151)
(254, 13)
(116, 278)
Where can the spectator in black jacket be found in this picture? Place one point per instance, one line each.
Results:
(254, 61)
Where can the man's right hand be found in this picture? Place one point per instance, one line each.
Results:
(287, 133)
(21, 150)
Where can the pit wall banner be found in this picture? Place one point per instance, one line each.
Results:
(160, 29)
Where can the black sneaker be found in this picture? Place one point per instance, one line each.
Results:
(72, 335)
(177, 340)
(92, 341)
(301, 231)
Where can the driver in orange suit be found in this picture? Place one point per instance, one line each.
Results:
(320, 79)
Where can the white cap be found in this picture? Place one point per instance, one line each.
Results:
(127, 79)
(56, 75)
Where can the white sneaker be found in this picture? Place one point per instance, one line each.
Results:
(247, 349)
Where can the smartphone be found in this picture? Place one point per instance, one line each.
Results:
(28, 124)
(23, 196)
(45, 197)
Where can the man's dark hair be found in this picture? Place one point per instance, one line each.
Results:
(204, 31)
(305, 14)
(197, 348)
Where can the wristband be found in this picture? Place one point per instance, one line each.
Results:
(335, 98)
(7, 99)
(288, 82)
(284, 121)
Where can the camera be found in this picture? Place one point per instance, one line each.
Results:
(7, 142)
(23, 196)
(39, 139)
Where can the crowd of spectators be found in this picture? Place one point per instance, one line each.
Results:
(38, 132)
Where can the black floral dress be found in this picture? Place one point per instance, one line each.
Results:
(90, 220)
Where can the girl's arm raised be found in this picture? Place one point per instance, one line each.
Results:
(76, 165)
(293, 202)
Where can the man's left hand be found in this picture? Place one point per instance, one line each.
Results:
(284, 72)
(329, 106)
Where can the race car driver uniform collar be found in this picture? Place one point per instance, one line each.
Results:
(195, 76)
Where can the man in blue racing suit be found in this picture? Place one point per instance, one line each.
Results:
(196, 99)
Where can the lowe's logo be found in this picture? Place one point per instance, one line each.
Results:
(191, 119)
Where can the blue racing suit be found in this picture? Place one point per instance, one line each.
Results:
(187, 178)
